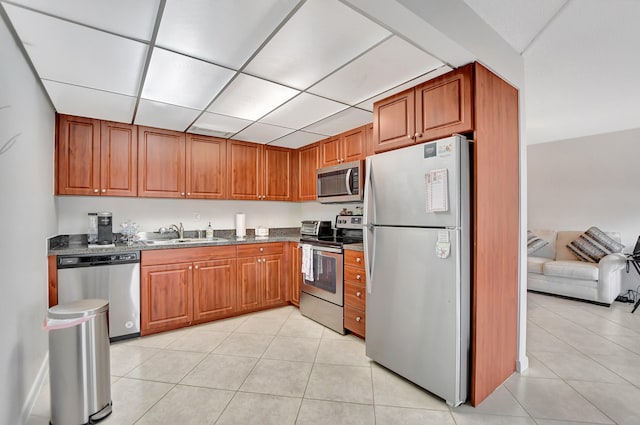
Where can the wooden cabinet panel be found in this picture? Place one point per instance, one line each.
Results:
(277, 173)
(244, 168)
(330, 151)
(78, 153)
(308, 162)
(394, 121)
(444, 105)
(295, 273)
(214, 289)
(161, 163)
(353, 144)
(353, 258)
(165, 297)
(369, 148)
(355, 295)
(258, 249)
(355, 275)
(354, 320)
(273, 284)
(248, 283)
(119, 159)
(206, 167)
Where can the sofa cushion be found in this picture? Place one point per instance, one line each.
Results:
(548, 251)
(534, 264)
(593, 244)
(571, 269)
(564, 238)
(534, 242)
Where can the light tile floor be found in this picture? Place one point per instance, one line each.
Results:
(278, 367)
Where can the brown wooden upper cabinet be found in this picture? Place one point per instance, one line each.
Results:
(434, 109)
(308, 163)
(96, 157)
(179, 165)
(259, 172)
(345, 147)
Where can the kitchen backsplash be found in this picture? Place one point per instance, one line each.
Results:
(151, 214)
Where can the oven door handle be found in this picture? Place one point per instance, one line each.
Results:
(321, 248)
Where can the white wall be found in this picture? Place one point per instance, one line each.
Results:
(588, 181)
(151, 214)
(27, 217)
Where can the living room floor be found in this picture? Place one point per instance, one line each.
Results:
(278, 367)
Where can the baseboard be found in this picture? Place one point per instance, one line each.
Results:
(34, 392)
(522, 364)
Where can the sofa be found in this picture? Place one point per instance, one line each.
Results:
(555, 269)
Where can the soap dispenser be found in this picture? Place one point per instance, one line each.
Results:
(209, 232)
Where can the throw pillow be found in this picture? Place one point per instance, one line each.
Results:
(534, 242)
(594, 244)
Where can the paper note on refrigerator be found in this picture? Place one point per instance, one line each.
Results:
(437, 186)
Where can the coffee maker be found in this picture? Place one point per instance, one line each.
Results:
(105, 229)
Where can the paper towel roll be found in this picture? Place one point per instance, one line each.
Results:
(241, 231)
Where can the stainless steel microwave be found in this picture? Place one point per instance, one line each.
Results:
(340, 183)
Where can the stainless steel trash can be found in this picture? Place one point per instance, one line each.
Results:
(79, 362)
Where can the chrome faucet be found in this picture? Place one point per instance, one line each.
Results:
(179, 229)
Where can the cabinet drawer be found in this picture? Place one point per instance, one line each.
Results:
(354, 320)
(355, 295)
(254, 250)
(354, 258)
(355, 275)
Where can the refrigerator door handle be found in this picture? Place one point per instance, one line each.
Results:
(369, 229)
(369, 254)
(347, 181)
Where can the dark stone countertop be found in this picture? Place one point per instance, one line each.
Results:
(77, 244)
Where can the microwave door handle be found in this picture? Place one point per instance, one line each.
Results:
(347, 181)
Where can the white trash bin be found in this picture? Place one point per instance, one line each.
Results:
(79, 362)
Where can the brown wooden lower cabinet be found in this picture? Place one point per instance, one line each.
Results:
(166, 300)
(354, 292)
(295, 273)
(214, 289)
(260, 276)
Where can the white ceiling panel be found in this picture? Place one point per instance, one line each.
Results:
(303, 110)
(517, 21)
(162, 115)
(571, 88)
(183, 81)
(129, 18)
(75, 100)
(226, 32)
(262, 133)
(250, 98)
(342, 121)
(368, 104)
(387, 65)
(297, 139)
(70, 53)
(322, 36)
(218, 125)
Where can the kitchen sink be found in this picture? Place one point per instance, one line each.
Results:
(183, 241)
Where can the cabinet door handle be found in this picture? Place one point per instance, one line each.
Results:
(358, 294)
(358, 319)
(358, 260)
(196, 267)
(190, 267)
(261, 249)
(358, 277)
(181, 193)
(259, 260)
(95, 190)
(104, 190)
(188, 193)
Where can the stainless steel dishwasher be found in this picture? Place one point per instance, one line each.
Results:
(115, 277)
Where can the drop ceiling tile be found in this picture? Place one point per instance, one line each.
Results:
(368, 104)
(163, 115)
(251, 98)
(183, 81)
(75, 100)
(70, 53)
(297, 139)
(322, 36)
(303, 110)
(342, 121)
(226, 32)
(129, 18)
(387, 65)
(262, 133)
(218, 125)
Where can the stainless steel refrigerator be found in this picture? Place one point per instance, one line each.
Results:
(417, 260)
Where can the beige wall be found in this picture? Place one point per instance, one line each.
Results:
(589, 181)
(27, 217)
